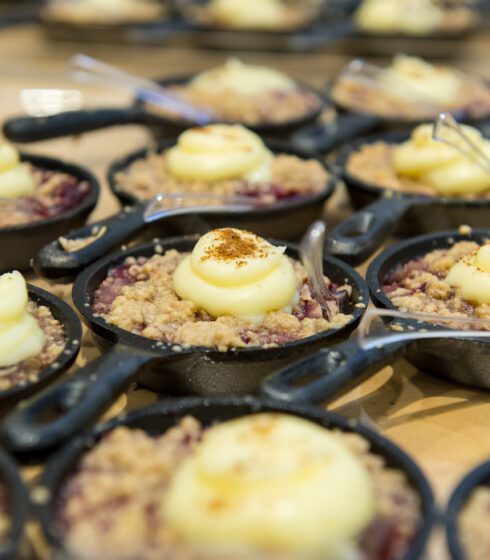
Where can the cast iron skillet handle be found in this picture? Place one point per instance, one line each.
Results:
(54, 262)
(323, 137)
(327, 373)
(34, 129)
(75, 402)
(358, 237)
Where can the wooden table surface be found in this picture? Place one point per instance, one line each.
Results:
(441, 425)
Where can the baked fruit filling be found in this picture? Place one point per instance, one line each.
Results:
(30, 337)
(452, 282)
(223, 160)
(30, 194)
(422, 165)
(267, 486)
(413, 89)
(234, 290)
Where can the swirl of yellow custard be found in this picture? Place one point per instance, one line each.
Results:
(243, 79)
(236, 273)
(243, 13)
(16, 179)
(472, 276)
(218, 152)
(20, 335)
(442, 166)
(270, 482)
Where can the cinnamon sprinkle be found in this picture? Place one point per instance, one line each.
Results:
(233, 246)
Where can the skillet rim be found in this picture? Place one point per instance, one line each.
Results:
(394, 137)
(276, 146)
(73, 335)
(68, 457)
(56, 164)
(478, 476)
(82, 299)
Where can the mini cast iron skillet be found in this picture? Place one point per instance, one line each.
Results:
(73, 336)
(19, 244)
(129, 357)
(158, 418)
(360, 235)
(33, 129)
(17, 505)
(480, 476)
(335, 369)
(282, 220)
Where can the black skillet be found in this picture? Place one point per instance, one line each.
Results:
(158, 418)
(384, 210)
(129, 357)
(17, 507)
(19, 244)
(282, 220)
(334, 370)
(73, 336)
(33, 129)
(480, 476)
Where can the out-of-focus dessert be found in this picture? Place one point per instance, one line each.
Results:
(452, 282)
(473, 525)
(233, 291)
(30, 337)
(266, 486)
(413, 89)
(85, 12)
(422, 165)
(223, 160)
(249, 94)
(413, 17)
(260, 15)
(30, 194)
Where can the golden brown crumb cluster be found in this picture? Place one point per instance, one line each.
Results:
(473, 525)
(27, 371)
(111, 508)
(290, 175)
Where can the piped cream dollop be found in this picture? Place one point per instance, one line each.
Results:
(270, 482)
(236, 273)
(20, 335)
(436, 84)
(442, 166)
(16, 179)
(243, 13)
(218, 152)
(471, 275)
(243, 79)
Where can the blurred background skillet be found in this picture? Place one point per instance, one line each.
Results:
(382, 210)
(478, 477)
(287, 219)
(156, 419)
(129, 357)
(335, 370)
(28, 239)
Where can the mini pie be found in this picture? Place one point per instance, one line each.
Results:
(31, 194)
(199, 493)
(422, 165)
(223, 160)
(234, 290)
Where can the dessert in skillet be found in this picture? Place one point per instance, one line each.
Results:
(223, 160)
(30, 337)
(249, 94)
(412, 17)
(30, 194)
(473, 525)
(422, 165)
(448, 282)
(261, 15)
(233, 291)
(266, 486)
(103, 11)
(413, 89)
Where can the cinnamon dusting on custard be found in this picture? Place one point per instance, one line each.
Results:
(232, 246)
